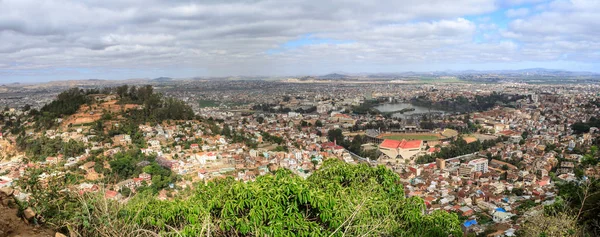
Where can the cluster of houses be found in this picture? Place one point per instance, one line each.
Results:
(489, 186)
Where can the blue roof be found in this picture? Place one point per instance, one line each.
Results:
(469, 223)
(500, 209)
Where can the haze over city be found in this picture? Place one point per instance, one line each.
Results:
(115, 39)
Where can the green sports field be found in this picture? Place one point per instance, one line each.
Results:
(425, 137)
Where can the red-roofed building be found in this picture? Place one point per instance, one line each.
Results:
(332, 147)
(51, 160)
(392, 144)
(509, 133)
(544, 181)
(109, 194)
(4, 183)
(433, 150)
(405, 150)
(145, 176)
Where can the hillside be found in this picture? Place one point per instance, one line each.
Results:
(91, 148)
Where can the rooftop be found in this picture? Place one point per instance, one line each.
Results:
(404, 144)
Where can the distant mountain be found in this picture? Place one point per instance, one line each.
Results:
(469, 75)
(162, 79)
(534, 71)
(11, 84)
(333, 76)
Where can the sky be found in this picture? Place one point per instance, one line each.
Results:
(44, 40)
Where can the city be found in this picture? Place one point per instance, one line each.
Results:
(429, 118)
(493, 163)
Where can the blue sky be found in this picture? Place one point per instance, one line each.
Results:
(115, 39)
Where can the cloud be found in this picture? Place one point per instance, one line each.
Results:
(564, 30)
(520, 2)
(517, 12)
(235, 37)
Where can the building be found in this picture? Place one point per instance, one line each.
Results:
(122, 139)
(465, 170)
(469, 225)
(103, 97)
(145, 176)
(323, 108)
(405, 150)
(164, 162)
(479, 165)
(342, 118)
(114, 195)
(129, 183)
(332, 147)
(441, 163)
(500, 216)
(204, 157)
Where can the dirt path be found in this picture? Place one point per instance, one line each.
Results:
(12, 226)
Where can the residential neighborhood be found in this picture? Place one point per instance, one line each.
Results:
(492, 168)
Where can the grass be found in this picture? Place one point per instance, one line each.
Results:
(208, 103)
(427, 80)
(98, 216)
(426, 137)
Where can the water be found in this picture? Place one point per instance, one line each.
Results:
(399, 106)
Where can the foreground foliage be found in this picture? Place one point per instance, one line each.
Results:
(557, 224)
(339, 199)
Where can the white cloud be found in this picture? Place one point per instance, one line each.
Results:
(519, 2)
(233, 37)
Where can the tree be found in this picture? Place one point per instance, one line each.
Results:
(335, 135)
(125, 191)
(226, 131)
(356, 144)
(66, 103)
(98, 167)
(580, 127)
(122, 91)
(518, 191)
(315, 162)
(318, 124)
(525, 134)
(561, 224)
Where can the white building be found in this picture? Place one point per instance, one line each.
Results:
(479, 165)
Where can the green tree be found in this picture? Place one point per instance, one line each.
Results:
(315, 162)
(318, 124)
(335, 135)
(125, 191)
(525, 134)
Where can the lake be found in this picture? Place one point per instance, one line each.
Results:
(399, 106)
